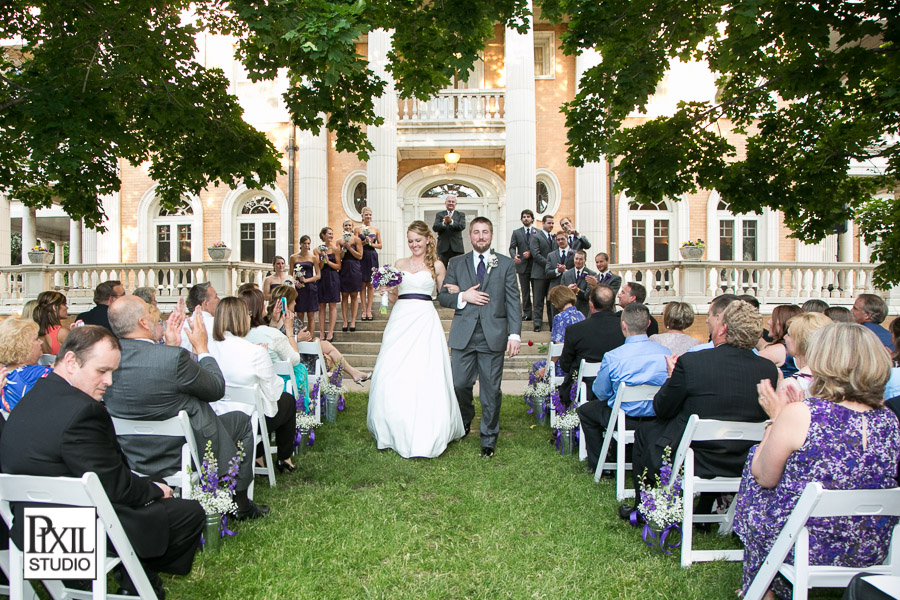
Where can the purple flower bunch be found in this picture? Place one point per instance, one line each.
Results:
(661, 505)
(386, 276)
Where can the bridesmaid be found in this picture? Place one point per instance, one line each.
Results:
(371, 239)
(278, 276)
(329, 255)
(306, 278)
(351, 275)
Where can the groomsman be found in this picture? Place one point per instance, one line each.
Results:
(449, 225)
(576, 279)
(604, 275)
(520, 251)
(576, 242)
(560, 260)
(541, 245)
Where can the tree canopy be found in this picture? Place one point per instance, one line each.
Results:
(813, 85)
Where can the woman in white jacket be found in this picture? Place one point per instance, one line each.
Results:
(244, 363)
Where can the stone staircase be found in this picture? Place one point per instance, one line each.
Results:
(361, 347)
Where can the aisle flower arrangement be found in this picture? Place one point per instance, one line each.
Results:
(332, 387)
(662, 507)
(567, 423)
(306, 422)
(385, 277)
(214, 493)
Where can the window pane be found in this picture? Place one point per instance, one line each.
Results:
(184, 243)
(726, 240)
(539, 61)
(458, 189)
(749, 240)
(248, 242)
(360, 197)
(163, 244)
(660, 240)
(259, 206)
(183, 210)
(542, 198)
(638, 241)
(268, 243)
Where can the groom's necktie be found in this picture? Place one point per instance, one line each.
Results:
(481, 270)
(528, 234)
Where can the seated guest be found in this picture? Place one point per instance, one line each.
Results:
(635, 292)
(714, 317)
(842, 437)
(870, 311)
(20, 349)
(714, 384)
(839, 314)
(51, 310)
(754, 302)
(156, 381)
(591, 339)
(563, 300)
(245, 364)
(637, 362)
(104, 296)
(28, 309)
(677, 316)
(147, 294)
(202, 295)
(799, 330)
(61, 429)
(892, 389)
(776, 351)
(814, 305)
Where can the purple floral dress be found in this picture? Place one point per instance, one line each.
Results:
(569, 316)
(833, 455)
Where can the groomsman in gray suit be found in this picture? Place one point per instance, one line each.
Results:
(604, 275)
(542, 244)
(558, 262)
(481, 287)
(576, 242)
(449, 225)
(576, 279)
(520, 252)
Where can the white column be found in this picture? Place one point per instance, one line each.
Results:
(845, 244)
(590, 183)
(29, 230)
(5, 232)
(58, 252)
(312, 185)
(382, 166)
(521, 165)
(75, 242)
(104, 247)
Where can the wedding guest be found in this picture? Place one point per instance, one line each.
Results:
(351, 275)
(279, 275)
(870, 311)
(305, 266)
(520, 251)
(814, 305)
(52, 309)
(204, 296)
(754, 302)
(20, 349)
(677, 316)
(371, 237)
(246, 287)
(329, 255)
(449, 225)
(714, 317)
(158, 324)
(575, 241)
(842, 437)
(604, 275)
(840, 314)
(563, 300)
(776, 351)
(147, 294)
(796, 341)
(245, 364)
(28, 309)
(558, 262)
(892, 389)
(105, 295)
(635, 292)
(576, 279)
(541, 245)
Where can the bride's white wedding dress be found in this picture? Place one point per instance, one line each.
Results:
(412, 405)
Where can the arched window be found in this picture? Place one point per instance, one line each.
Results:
(459, 190)
(258, 225)
(360, 197)
(173, 227)
(650, 231)
(542, 198)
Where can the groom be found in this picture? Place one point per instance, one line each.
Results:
(487, 321)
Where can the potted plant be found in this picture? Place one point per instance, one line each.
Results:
(692, 250)
(219, 251)
(40, 256)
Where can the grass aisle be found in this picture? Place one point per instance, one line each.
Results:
(353, 522)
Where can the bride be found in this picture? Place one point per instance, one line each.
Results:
(412, 405)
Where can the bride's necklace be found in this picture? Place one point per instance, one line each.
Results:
(414, 268)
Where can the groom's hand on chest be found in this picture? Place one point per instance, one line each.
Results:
(473, 296)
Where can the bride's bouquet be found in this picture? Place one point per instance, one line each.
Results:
(386, 276)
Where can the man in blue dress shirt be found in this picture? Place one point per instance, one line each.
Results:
(639, 361)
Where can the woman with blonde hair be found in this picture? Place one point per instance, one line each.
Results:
(52, 309)
(412, 404)
(20, 349)
(371, 238)
(796, 341)
(842, 436)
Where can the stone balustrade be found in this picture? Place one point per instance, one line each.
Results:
(453, 106)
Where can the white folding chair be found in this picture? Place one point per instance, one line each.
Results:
(615, 430)
(47, 360)
(815, 501)
(252, 398)
(702, 430)
(178, 426)
(585, 369)
(70, 491)
(321, 372)
(554, 350)
(286, 369)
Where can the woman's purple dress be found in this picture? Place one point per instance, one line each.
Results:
(308, 295)
(561, 321)
(832, 455)
(329, 284)
(369, 258)
(351, 273)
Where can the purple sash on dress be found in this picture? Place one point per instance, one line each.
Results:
(414, 297)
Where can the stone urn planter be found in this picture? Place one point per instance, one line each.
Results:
(219, 253)
(691, 252)
(40, 258)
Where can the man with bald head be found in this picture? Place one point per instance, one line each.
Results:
(155, 381)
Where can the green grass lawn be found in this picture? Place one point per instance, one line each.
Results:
(354, 522)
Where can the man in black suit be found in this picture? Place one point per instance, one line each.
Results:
(542, 244)
(591, 339)
(635, 292)
(449, 225)
(719, 383)
(520, 252)
(61, 429)
(576, 279)
(104, 295)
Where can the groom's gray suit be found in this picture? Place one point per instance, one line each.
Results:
(479, 334)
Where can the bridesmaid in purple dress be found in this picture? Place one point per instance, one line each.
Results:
(351, 274)
(371, 238)
(330, 284)
(305, 268)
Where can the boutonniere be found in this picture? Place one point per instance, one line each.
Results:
(492, 262)
(583, 275)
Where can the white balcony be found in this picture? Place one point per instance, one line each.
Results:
(454, 108)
